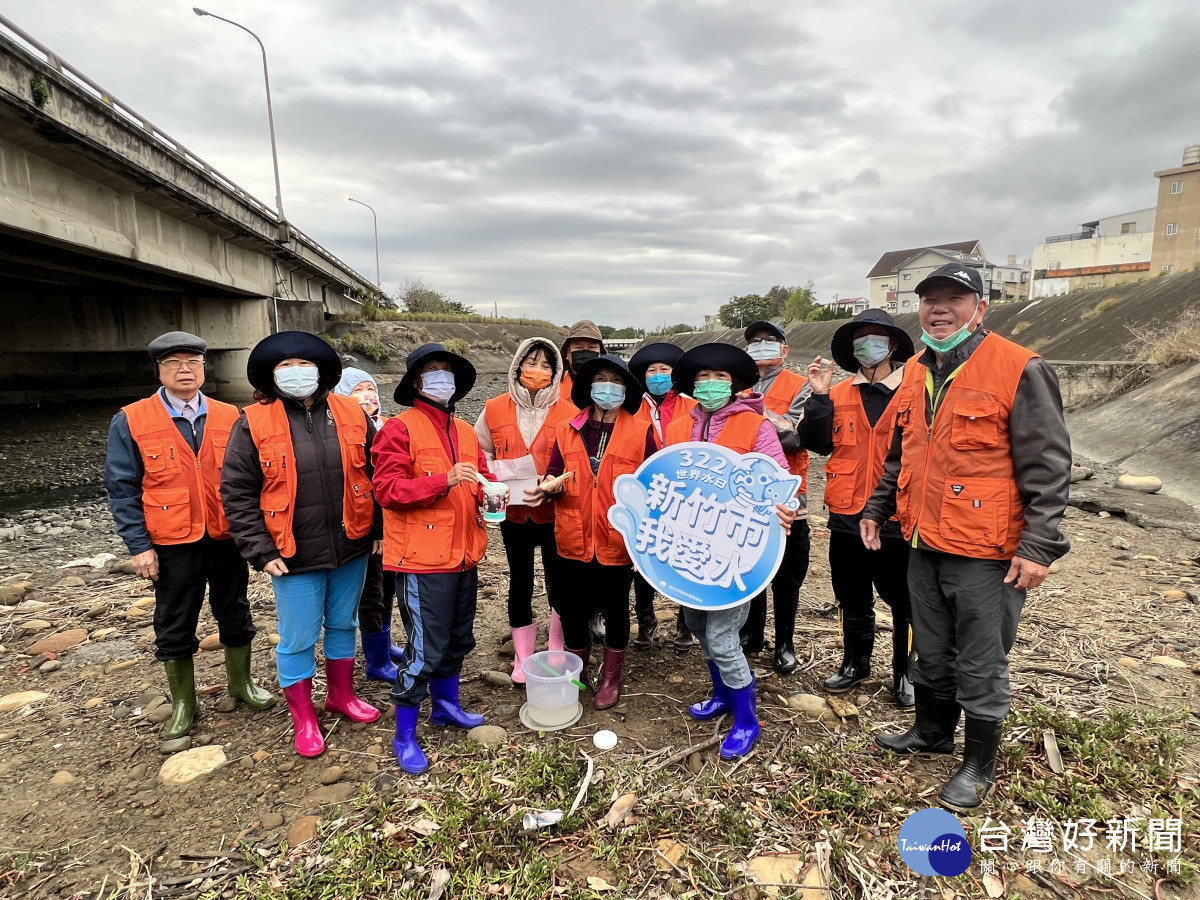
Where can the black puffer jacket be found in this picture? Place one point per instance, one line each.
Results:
(321, 541)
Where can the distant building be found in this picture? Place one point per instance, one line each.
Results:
(849, 304)
(898, 271)
(1177, 227)
(1104, 252)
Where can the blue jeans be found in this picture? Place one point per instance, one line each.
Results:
(304, 603)
(717, 632)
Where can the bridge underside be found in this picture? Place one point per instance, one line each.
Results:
(76, 324)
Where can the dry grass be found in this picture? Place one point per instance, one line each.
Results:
(1019, 327)
(1102, 307)
(1173, 345)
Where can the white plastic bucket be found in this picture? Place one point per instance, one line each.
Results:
(550, 689)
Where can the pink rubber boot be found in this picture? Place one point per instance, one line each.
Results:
(340, 698)
(555, 639)
(524, 644)
(304, 718)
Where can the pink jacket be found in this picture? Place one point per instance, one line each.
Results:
(707, 426)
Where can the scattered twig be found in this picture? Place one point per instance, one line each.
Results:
(587, 779)
(684, 754)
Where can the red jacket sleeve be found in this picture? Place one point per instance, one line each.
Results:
(395, 485)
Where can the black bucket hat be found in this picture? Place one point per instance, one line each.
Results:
(722, 357)
(646, 356)
(764, 326)
(464, 373)
(842, 346)
(275, 348)
(581, 389)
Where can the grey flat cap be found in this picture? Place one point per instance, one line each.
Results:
(175, 340)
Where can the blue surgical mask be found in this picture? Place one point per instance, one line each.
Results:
(712, 394)
(761, 350)
(438, 385)
(658, 384)
(872, 349)
(608, 394)
(298, 382)
(946, 344)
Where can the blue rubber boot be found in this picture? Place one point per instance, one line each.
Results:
(379, 662)
(398, 655)
(443, 692)
(745, 731)
(719, 704)
(408, 752)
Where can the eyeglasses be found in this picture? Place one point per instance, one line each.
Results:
(174, 365)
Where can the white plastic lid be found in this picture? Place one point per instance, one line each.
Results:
(605, 740)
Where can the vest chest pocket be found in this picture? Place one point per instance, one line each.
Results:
(976, 425)
(160, 458)
(844, 429)
(219, 443)
(975, 511)
(428, 464)
(168, 513)
(839, 484)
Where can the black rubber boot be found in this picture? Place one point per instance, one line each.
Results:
(786, 606)
(973, 782)
(858, 638)
(933, 730)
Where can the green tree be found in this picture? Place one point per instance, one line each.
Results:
(741, 311)
(666, 330)
(800, 302)
(607, 331)
(418, 297)
(777, 297)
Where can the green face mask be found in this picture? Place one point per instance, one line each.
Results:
(946, 344)
(712, 395)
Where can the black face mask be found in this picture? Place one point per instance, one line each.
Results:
(580, 357)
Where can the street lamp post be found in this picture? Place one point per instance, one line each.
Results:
(283, 227)
(375, 218)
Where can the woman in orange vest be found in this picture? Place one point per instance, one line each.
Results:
(516, 432)
(605, 440)
(375, 604)
(297, 492)
(853, 422)
(427, 465)
(729, 413)
(652, 365)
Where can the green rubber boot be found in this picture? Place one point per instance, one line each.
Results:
(181, 678)
(237, 665)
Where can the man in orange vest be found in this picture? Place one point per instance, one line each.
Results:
(784, 394)
(427, 465)
(852, 422)
(163, 477)
(978, 472)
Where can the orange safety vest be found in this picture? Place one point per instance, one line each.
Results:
(450, 534)
(683, 406)
(272, 435)
(957, 490)
(856, 464)
(500, 413)
(738, 434)
(778, 399)
(564, 393)
(581, 527)
(181, 489)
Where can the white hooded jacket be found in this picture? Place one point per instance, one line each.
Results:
(531, 410)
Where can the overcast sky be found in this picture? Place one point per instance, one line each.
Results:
(640, 162)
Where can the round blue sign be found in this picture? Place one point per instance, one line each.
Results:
(699, 522)
(933, 842)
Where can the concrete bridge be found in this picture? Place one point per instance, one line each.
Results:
(112, 232)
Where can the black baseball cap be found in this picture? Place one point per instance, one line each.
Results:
(962, 275)
(755, 327)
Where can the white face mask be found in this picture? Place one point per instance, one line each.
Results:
(438, 385)
(765, 350)
(872, 349)
(297, 382)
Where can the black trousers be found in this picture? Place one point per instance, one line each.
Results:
(964, 626)
(643, 598)
(521, 540)
(183, 572)
(591, 587)
(378, 594)
(856, 573)
(442, 608)
(785, 591)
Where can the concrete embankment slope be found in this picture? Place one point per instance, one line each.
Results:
(1089, 326)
